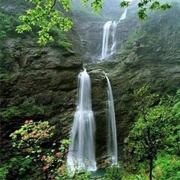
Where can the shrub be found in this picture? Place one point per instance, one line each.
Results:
(31, 140)
(113, 173)
(167, 167)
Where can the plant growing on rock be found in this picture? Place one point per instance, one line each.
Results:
(151, 131)
(34, 141)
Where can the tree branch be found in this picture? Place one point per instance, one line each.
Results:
(53, 5)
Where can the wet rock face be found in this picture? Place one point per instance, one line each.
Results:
(99, 106)
(92, 36)
(90, 29)
(126, 76)
(38, 84)
(152, 59)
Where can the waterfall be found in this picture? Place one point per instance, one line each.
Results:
(113, 48)
(105, 42)
(109, 28)
(111, 122)
(123, 16)
(81, 154)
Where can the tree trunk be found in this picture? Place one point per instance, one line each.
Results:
(150, 168)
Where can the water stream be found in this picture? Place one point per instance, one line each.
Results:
(109, 37)
(81, 154)
(111, 124)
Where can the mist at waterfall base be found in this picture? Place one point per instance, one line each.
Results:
(81, 156)
(109, 37)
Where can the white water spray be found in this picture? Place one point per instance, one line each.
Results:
(111, 121)
(81, 156)
(109, 35)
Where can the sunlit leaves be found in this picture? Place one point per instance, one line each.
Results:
(97, 5)
(145, 5)
(45, 17)
(66, 4)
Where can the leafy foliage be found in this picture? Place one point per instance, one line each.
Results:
(167, 167)
(8, 24)
(144, 5)
(45, 15)
(34, 142)
(82, 176)
(31, 140)
(152, 129)
(3, 172)
(113, 173)
(18, 166)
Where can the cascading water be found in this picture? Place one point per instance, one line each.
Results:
(105, 43)
(123, 16)
(111, 123)
(109, 35)
(81, 156)
(113, 47)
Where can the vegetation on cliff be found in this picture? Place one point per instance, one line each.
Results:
(46, 15)
(155, 130)
(154, 136)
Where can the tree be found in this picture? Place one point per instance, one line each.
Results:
(152, 129)
(47, 14)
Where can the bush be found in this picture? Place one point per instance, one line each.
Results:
(113, 173)
(16, 167)
(31, 141)
(167, 167)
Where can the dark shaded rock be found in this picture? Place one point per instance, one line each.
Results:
(38, 84)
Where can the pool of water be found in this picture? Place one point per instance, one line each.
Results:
(97, 174)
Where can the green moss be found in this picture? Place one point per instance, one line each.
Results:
(27, 109)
